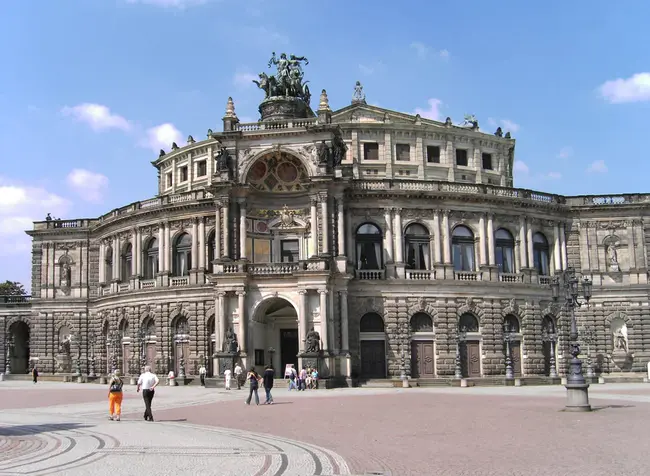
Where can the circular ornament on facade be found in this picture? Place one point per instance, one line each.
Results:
(278, 172)
(287, 172)
(258, 171)
(261, 227)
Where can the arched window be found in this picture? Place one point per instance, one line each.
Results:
(511, 325)
(211, 246)
(541, 257)
(108, 265)
(182, 255)
(421, 322)
(371, 322)
(151, 259)
(182, 327)
(124, 328)
(548, 326)
(417, 246)
(149, 328)
(369, 247)
(504, 248)
(462, 242)
(468, 323)
(125, 262)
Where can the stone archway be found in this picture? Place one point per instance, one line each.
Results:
(275, 336)
(423, 363)
(277, 171)
(372, 346)
(17, 348)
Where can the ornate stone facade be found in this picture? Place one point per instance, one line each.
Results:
(414, 246)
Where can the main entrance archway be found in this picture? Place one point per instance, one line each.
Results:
(18, 347)
(275, 335)
(372, 346)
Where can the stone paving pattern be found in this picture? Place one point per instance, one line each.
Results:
(63, 429)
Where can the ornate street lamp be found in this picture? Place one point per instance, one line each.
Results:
(77, 369)
(507, 338)
(577, 387)
(588, 338)
(9, 351)
(548, 335)
(115, 340)
(92, 340)
(142, 357)
(460, 337)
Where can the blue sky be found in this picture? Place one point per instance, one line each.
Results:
(90, 89)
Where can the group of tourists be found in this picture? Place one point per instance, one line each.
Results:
(307, 378)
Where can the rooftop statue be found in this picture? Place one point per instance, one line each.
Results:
(469, 121)
(288, 80)
(359, 96)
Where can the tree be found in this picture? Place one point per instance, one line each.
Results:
(12, 288)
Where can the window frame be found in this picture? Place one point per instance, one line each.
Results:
(458, 244)
(366, 150)
(456, 161)
(375, 239)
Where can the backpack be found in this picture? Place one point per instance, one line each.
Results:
(116, 385)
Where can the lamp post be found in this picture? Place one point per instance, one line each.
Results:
(114, 339)
(77, 369)
(549, 335)
(577, 387)
(92, 340)
(460, 337)
(9, 350)
(507, 338)
(141, 348)
(588, 338)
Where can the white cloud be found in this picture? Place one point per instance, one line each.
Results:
(633, 89)
(90, 186)
(179, 4)
(366, 69)
(97, 116)
(244, 79)
(521, 167)
(506, 124)
(565, 153)
(20, 206)
(420, 48)
(161, 137)
(433, 112)
(598, 167)
(554, 175)
(444, 54)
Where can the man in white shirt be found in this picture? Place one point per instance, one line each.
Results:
(202, 372)
(238, 375)
(228, 375)
(147, 382)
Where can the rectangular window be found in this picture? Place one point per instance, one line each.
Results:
(259, 356)
(289, 251)
(402, 152)
(261, 250)
(184, 173)
(487, 161)
(370, 151)
(461, 157)
(433, 154)
(201, 169)
(170, 179)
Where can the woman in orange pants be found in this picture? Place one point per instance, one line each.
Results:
(115, 396)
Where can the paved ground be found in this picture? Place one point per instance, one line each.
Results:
(63, 429)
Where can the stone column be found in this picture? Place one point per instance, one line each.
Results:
(490, 240)
(557, 264)
(388, 236)
(324, 321)
(399, 236)
(302, 319)
(436, 237)
(529, 243)
(117, 254)
(314, 227)
(345, 331)
(325, 224)
(241, 306)
(522, 243)
(168, 249)
(446, 247)
(223, 320)
(195, 244)
(631, 246)
(137, 259)
(202, 245)
(563, 250)
(102, 261)
(226, 229)
(161, 247)
(242, 229)
(217, 234)
(482, 241)
(340, 225)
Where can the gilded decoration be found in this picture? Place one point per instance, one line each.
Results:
(278, 172)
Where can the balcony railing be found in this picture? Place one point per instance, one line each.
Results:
(15, 299)
(468, 275)
(544, 280)
(511, 278)
(276, 125)
(176, 281)
(420, 274)
(369, 274)
(147, 284)
(273, 269)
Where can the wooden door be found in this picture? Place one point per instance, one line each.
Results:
(151, 356)
(422, 360)
(515, 351)
(471, 359)
(373, 358)
(288, 348)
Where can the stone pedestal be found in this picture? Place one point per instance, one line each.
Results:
(341, 263)
(577, 397)
(223, 361)
(622, 360)
(310, 360)
(279, 108)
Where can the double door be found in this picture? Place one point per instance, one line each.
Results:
(470, 358)
(422, 359)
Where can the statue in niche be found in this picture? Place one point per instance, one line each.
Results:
(230, 342)
(65, 278)
(612, 256)
(312, 342)
(620, 338)
(223, 160)
(323, 153)
(64, 346)
(339, 150)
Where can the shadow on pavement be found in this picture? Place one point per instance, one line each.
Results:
(21, 430)
(605, 407)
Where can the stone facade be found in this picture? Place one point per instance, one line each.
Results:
(268, 240)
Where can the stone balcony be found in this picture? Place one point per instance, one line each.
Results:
(316, 265)
(12, 300)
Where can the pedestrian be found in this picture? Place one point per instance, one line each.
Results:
(35, 374)
(292, 378)
(238, 375)
(253, 383)
(267, 378)
(228, 375)
(202, 372)
(115, 396)
(303, 379)
(148, 383)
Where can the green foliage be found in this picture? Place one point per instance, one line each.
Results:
(12, 288)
